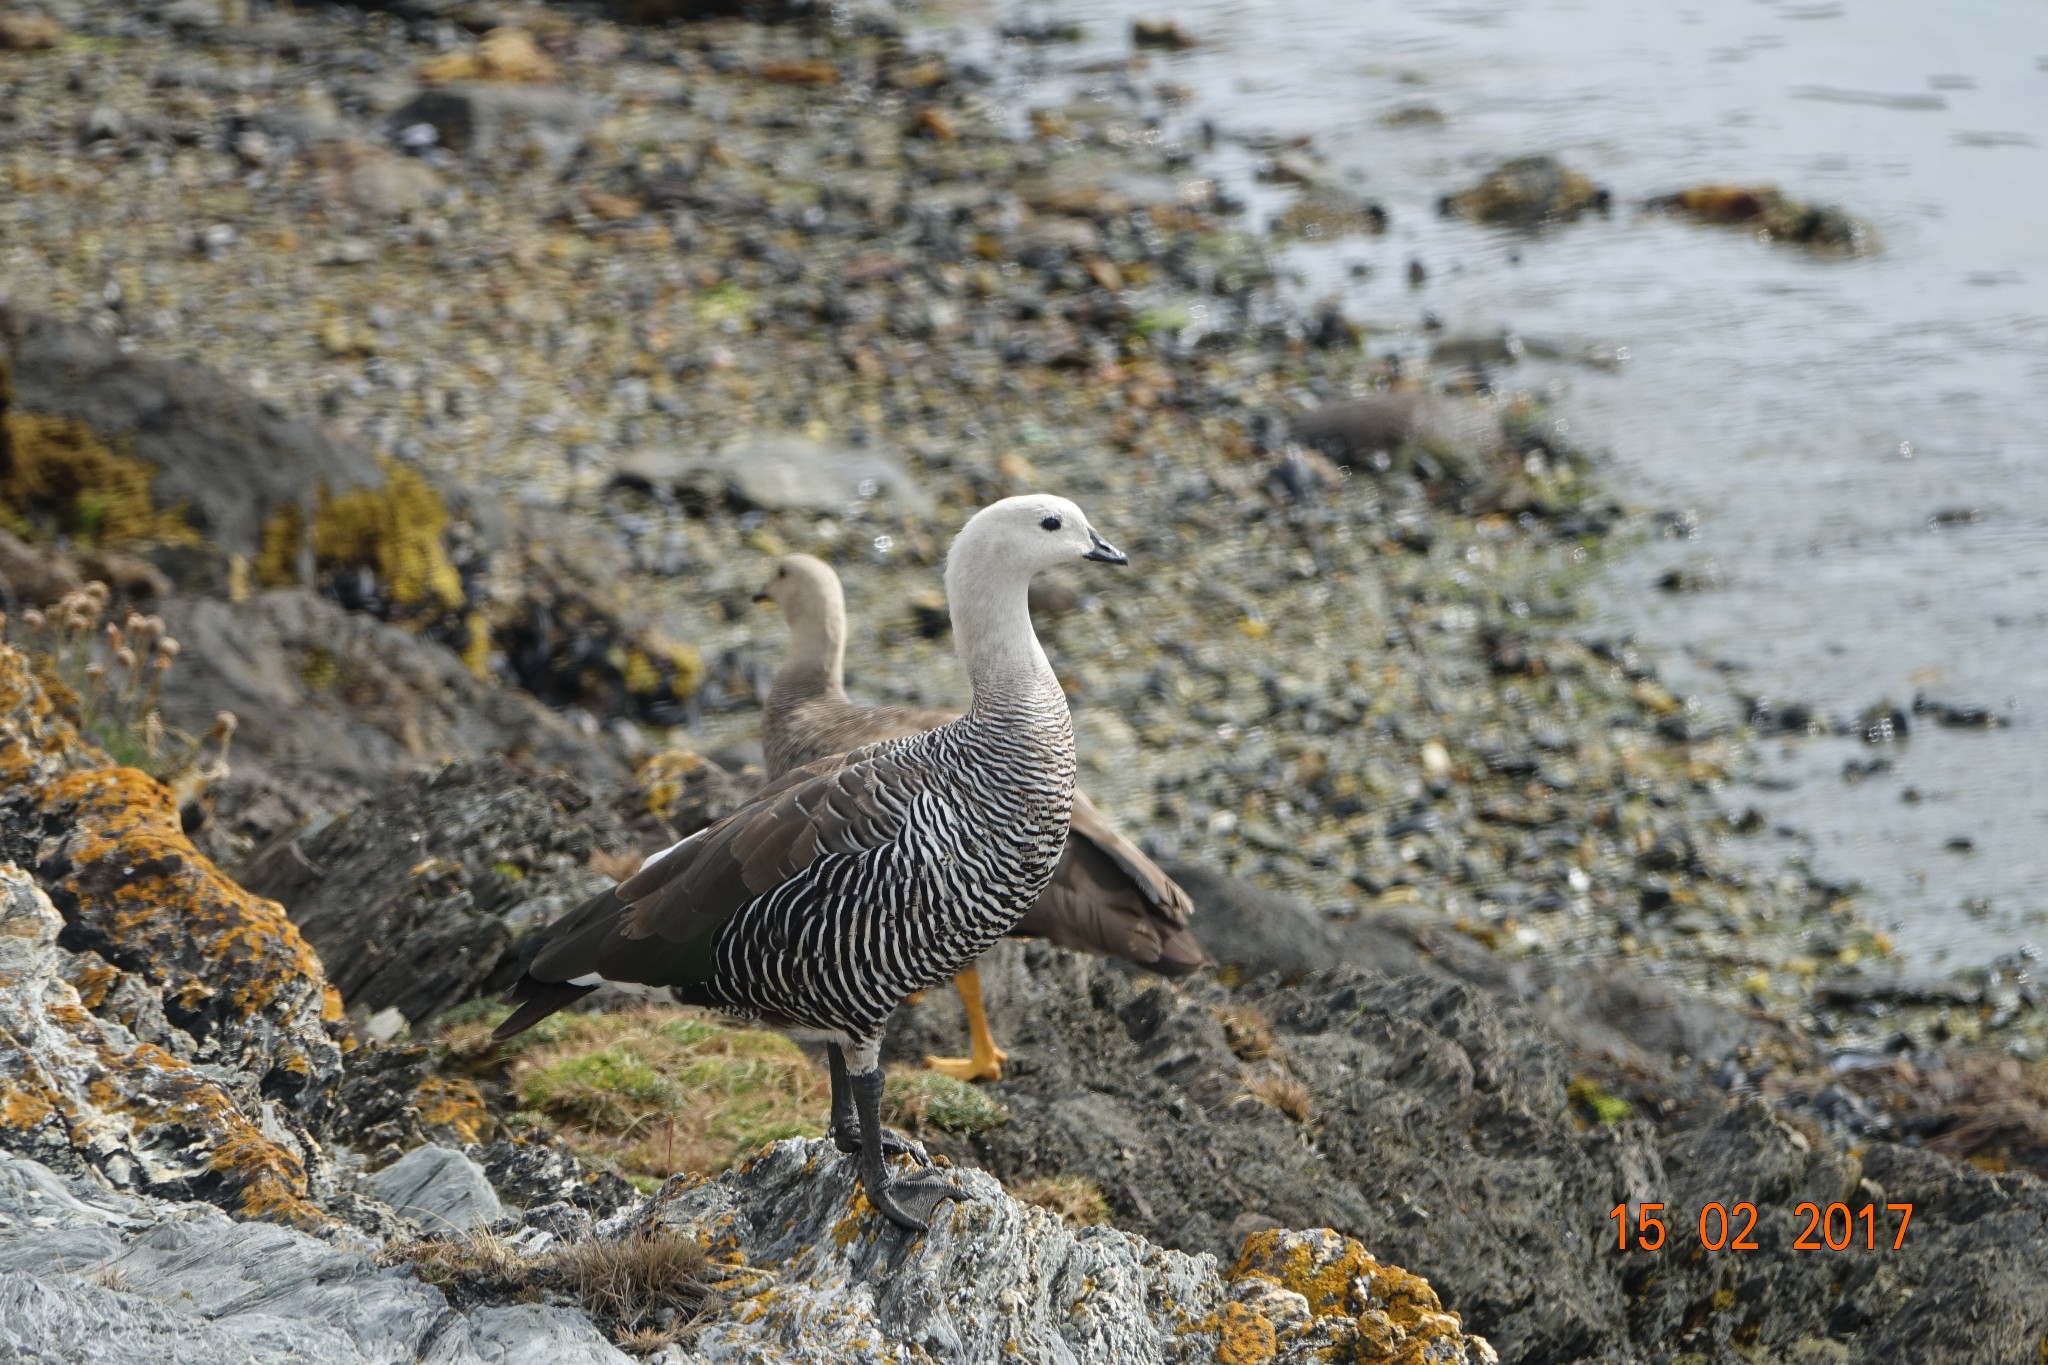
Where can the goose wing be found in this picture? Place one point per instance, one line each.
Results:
(659, 926)
(1108, 898)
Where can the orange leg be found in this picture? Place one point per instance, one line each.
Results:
(986, 1063)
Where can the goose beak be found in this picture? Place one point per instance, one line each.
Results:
(762, 596)
(1104, 552)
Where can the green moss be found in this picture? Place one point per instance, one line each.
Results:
(1597, 1103)
(609, 1089)
(511, 872)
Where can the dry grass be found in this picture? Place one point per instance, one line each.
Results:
(1075, 1198)
(1276, 1089)
(631, 1280)
(649, 1092)
(1248, 1031)
(624, 1285)
(109, 673)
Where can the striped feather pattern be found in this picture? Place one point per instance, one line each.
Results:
(838, 947)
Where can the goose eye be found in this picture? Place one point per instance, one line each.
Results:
(1051, 523)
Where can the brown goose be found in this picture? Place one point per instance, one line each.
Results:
(848, 884)
(1107, 897)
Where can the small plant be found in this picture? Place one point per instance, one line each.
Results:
(1248, 1031)
(645, 1286)
(1075, 1198)
(1276, 1089)
(925, 1099)
(109, 674)
(644, 1092)
(1596, 1103)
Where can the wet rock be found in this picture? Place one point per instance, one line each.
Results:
(1328, 213)
(334, 705)
(995, 1277)
(1527, 192)
(423, 896)
(779, 473)
(89, 1275)
(1956, 715)
(1162, 33)
(1773, 215)
(482, 120)
(439, 1188)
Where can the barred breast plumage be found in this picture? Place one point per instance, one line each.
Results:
(848, 883)
(1105, 897)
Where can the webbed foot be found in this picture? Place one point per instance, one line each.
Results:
(909, 1201)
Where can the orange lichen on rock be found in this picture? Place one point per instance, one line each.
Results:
(455, 1105)
(234, 970)
(37, 743)
(1358, 1309)
(77, 1092)
(1244, 1336)
(167, 965)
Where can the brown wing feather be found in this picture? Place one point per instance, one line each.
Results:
(1108, 898)
(679, 899)
(1163, 896)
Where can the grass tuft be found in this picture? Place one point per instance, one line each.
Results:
(624, 1284)
(1075, 1198)
(925, 1099)
(1248, 1031)
(646, 1092)
(1276, 1089)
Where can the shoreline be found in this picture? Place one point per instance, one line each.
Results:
(1361, 691)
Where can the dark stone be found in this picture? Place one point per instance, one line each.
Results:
(427, 895)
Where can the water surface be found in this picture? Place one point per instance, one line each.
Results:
(1861, 445)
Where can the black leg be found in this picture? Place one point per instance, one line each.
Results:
(907, 1201)
(846, 1125)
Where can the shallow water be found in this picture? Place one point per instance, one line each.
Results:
(1812, 414)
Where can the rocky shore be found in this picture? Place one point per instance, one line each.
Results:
(445, 379)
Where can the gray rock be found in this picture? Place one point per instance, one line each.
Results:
(231, 457)
(1440, 1130)
(996, 1280)
(482, 120)
(440, 1189)
(334, 704)
(93, 1278)
(780, 473)
(390, 935)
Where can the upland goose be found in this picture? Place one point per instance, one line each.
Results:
(1106, 898)
(847, 884)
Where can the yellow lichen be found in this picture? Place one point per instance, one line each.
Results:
(284, 535)
(59, 473)
(1244, 1336)
(396, 532)
(476, 644)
